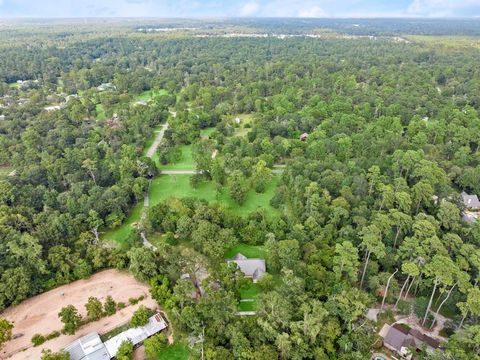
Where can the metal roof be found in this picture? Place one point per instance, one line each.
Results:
(88, 347)
(136, 335)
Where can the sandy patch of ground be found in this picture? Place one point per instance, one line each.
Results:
(139, 353)
(40, 313)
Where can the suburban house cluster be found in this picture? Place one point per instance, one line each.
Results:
(406, 342)
(252, 268)
(91, 347)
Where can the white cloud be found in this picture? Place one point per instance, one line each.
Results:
(441, 7)
(249, 9)
(313, 12)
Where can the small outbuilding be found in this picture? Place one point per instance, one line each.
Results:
(304, 137)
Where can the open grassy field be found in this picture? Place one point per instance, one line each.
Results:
(177, 351)
(185, 163)
(13, 85)
(250, 251)
(150, 94)
(100, 112)
(121, 233)
(4, 171)
(244, 120)
(166, 186)
(454, 42)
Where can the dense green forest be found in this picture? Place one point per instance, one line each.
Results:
(392, 138)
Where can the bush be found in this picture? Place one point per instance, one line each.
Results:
(133, 301)
(54, 334)
(420, 305)
(38, 339)
(110, 307)
(121, 305)
(140, 317)
(404, 307)
(155, 345)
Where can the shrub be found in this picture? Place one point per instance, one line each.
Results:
(420, 305)
(121, 305)
(133, 301)
(110, 306)
(38, 339)
(404, 307)
(140, 317)
(54, 334)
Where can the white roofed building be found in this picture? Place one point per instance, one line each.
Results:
(136, 335)
(88, 347)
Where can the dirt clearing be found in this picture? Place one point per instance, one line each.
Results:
(40, 313)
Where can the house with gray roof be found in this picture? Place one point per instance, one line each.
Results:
(252, 268)
(471, 202)
(405, 342)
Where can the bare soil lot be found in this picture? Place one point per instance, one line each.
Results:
(40, 313)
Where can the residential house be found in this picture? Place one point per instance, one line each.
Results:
(252, 268)
(472, 207)
(406, 342)
(106, 86)
(91, 347)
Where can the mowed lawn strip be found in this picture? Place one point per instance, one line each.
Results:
(121, 233)
(177, 351)
(250, 251)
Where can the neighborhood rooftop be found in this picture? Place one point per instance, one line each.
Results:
(91, 347)
(88, 347)
(254, 268)
(471, 201)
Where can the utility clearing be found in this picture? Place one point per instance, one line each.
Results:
(39, 314)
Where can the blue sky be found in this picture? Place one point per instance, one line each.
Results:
(232, 8)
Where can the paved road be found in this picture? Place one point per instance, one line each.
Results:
(157, 141)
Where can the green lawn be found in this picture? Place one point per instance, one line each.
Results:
(177, 351)
(185, 163)
(13, 85)
(249, 292)
(207, 131)
(100, 112)
(150, 94)
(4, 171)
(244, 120)
(121, 233)
(165, 186)
(250, 251)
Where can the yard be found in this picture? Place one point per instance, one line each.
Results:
(121, 233)
(100, 112)
(185, 163)
(250, 251)
(150, 94)
(165, 186)
(177, 351)
(4, 171)
(244, 120)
